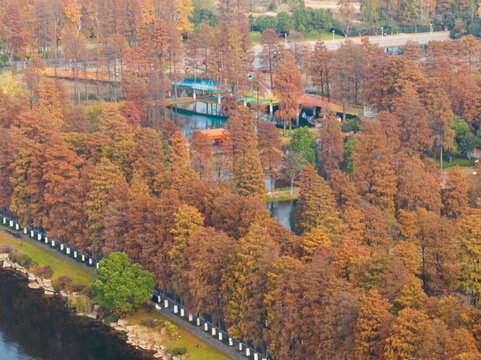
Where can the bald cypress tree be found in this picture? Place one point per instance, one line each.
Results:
(248, 177)
(104, 180)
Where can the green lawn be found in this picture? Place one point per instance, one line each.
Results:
(78, 274)
(459, 161)
(59, 265)
(187, 339)
(313, 35)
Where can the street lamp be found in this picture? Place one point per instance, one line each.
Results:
(431, 28)
(382, 31)
(333, 34)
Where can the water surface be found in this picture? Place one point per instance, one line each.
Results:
(38, 327)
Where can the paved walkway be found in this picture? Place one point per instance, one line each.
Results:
(168, 312)
(49, 248)
(388, 41)
(204, 335)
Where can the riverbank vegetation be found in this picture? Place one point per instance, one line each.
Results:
(66, 272)
(59, 266)
(386, 247)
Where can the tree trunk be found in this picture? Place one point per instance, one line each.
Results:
(441, 156)
(86, 85)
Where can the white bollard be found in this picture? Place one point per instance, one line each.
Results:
(61, 247)
(75, 254)
(191, 318)
(90, 261)
(68, 251)
(53, 243)
(256, 356)
(198, 322)
(97, 265)
(32, 234)
(240, 346)
(214, 331)
(4, 220)
(182, 312)
(220, 335)
(83, 258)
(206, 327)
(46, 240)
(248, 352)
(39, 237)
(231, 342)
(166, 303)
(176, 309)
(158, 299)
(17, 227)
(11, 223)
(25, 231)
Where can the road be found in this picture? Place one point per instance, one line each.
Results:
(383, 41)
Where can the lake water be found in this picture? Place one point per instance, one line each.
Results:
(285, 211)
(187, 123)
(204, 116)
(37, 327)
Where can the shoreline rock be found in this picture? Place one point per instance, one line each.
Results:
(157, 351)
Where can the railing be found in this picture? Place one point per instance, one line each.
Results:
(10, 222)
(164, 301)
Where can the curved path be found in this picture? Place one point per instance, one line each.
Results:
(168, 312)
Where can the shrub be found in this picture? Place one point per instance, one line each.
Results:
(62, 283)
(78, 287)
(44, 271)
(153, 324)
(80, 303)
(22, 259)
(179, 351)
(172, 330)
(111, 318)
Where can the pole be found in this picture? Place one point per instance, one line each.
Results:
(333, 31)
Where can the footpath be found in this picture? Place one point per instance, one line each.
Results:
(169, 311)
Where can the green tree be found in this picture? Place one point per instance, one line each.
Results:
(465, 139)
(122, 286)
(303, 142)
(284, 23)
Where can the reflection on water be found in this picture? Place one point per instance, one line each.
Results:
(201, 108)
(204, 116)
(285, 211)
(37, 327)
(187, 123)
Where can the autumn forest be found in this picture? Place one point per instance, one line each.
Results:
(383, 262)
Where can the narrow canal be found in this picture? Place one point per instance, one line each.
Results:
(38, 327)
